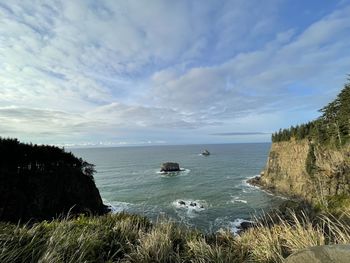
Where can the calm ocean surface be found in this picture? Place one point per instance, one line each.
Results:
(128, 178)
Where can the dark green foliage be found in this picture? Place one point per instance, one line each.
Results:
(338, 204)
(311, 160)
(331, 128)
(42, 182)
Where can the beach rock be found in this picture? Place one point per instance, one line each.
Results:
(321, 254)
(254, 181)
(182, 202)
(170, 167)
(245, 225)
(206, 153)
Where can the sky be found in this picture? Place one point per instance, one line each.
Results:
(115, 73)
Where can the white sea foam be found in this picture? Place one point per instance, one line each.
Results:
(236, 199)
(189, 207)
(250, 186)
(117, 206)
(224, 223)
(183, 171)
(245, 186)
(235, 226)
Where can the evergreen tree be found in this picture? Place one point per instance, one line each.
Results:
(344, 113)
(332, 127)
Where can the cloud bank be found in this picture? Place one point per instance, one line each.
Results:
(122, 72)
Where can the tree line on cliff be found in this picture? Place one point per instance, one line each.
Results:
(42, 182)
(332, 127)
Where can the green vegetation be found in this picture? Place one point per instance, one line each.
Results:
(130, 238)
(331, 128)
(42, 182)
(335, 204)
(311, 161)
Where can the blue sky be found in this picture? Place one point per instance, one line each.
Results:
(167, 72)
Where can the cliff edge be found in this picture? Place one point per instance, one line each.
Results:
(306, 170)
(43, 182)
(312, 161)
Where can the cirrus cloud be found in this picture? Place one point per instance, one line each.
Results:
(172, 71)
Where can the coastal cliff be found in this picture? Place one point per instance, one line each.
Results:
(312, 161)
(306, 170)
(43, 182)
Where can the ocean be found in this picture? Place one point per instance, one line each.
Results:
(210, 193)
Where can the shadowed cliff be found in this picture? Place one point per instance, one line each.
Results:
(43, 182)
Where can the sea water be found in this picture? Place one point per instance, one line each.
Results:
(210, 193)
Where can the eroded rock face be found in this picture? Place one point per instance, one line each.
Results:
(295, 169)
(321, 254)
(170, 167)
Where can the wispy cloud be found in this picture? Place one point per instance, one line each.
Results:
(85, 71)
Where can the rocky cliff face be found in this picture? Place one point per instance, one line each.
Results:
(170, 167)
(306, 170)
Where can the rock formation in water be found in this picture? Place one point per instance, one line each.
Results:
(205, 152)
(170, 167)
(43, 182)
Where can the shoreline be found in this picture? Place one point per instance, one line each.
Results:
(256, 182)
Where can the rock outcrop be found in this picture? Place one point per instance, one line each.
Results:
(306, 170)
(205, 153)
(321, 254)
(170, 167)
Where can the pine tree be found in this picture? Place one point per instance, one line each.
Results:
(333, 127)
(344, 112)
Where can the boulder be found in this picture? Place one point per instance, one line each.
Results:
(170, 167)
(321, 254)
(246, 225)
(205, 153)
(255, 181)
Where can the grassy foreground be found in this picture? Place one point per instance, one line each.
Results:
(131, 238)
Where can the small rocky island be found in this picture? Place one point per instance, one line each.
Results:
(170, 167)
(205, 153)
(189, 204)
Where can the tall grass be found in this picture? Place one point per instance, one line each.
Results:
(130, 238)
(272, 242)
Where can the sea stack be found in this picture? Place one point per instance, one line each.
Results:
(206, 152)
(170, 167)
